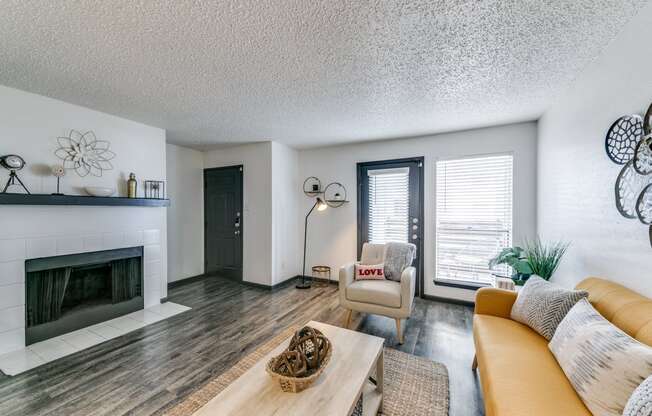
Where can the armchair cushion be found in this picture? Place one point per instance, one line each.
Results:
(372, 253)
(378, 292)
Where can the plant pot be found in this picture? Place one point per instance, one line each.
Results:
(520, 278)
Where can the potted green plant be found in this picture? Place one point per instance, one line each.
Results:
(544, 258)
(536, 258)
(515, 258)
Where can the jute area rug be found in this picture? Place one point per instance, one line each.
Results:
(414, 386)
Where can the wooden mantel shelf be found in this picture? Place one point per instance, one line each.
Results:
(46, 199)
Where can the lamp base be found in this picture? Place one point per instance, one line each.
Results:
(304, 285)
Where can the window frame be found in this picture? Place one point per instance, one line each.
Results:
(461, 284)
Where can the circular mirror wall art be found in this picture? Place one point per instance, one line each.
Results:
(643, 155)
(628, 188)
(312, 186)
(335, 195)
(622, 137)
(644, 205)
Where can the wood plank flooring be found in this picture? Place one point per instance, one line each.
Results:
(149, 369)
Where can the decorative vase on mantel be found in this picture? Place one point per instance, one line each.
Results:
(132, 186)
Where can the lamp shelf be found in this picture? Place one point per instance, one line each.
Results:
(47, 199)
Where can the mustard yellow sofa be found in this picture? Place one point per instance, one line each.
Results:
(518, 373)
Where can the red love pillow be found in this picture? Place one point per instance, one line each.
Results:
(369, 272)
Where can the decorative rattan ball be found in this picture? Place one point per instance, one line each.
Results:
(312, 344)
(291, 364)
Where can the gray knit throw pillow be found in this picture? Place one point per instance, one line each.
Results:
(542, 305)
(398, 256)
(640, 403)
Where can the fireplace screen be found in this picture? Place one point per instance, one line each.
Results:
(65, 293)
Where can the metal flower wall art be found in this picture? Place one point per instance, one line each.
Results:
(84, 153)
(629, 143)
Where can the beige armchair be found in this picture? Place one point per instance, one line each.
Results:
(380, 297)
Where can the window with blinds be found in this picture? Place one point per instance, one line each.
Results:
(388, 205)
(473, 216)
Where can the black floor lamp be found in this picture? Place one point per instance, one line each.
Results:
(321, 205)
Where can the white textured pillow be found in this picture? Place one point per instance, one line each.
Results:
(603, 363)
(542, 305)
(640, 404)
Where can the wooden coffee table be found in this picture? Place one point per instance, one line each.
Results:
(356, 357)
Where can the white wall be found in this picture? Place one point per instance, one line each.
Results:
(257, 211)
(29, 126)
(286, 186)
(332, 234)
(576, 178)
(185, 187)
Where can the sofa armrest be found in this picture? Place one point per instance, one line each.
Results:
(496, 302)
(408, 284)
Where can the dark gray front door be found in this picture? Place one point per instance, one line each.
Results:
(223, 221)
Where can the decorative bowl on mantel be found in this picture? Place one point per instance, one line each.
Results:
(99, 191)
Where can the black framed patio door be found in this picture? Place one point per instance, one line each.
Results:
(390, 205)
(223, 221)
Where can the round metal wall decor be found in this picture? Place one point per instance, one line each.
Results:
(644, 205)
(335, 194)
(84, 153)
(643, 155)
(622, 137)
(312, 186)
(628, 188)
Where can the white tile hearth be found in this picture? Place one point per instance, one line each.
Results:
(168, 309)
(82, 339)
(146, 316)
(35, 355)
(20, 361)
(105, 330)
(52, 349)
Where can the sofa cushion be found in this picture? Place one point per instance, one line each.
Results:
(604, 364)
(640, 404)
(519, 375)
(378, 292)
(542, 305)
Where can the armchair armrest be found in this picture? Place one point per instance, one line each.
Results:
(347, 273)
(496, 302)
(408, 285)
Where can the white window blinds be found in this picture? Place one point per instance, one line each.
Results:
(474, 216)
(388, 205)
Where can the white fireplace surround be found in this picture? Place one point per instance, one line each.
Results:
(14, 252)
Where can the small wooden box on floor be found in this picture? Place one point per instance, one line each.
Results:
(355, 358)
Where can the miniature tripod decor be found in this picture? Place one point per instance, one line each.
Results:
(13, 163)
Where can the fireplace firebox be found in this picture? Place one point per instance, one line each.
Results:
(70, 292)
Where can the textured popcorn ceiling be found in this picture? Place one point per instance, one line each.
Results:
(305, 72)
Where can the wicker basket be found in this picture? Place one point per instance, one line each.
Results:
(297, 384)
